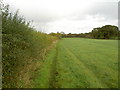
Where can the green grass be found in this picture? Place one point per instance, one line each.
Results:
(80, 63)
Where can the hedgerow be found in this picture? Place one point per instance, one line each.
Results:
(21, 45)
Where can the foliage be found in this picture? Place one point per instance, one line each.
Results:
(59, 35)
(105, 32)
(21, 43)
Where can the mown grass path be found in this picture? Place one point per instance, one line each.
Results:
(80, 63)
(53, 72)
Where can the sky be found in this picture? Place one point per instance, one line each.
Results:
(69, 16)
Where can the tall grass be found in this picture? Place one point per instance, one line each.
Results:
(22, 46)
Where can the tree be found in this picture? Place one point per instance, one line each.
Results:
(105, 32)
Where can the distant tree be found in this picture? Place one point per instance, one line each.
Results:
(56, 34)
(62, 34)
(109, 31)
(96, 33)
(53, 34)
(105, 32)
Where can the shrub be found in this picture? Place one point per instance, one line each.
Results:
(20, 43)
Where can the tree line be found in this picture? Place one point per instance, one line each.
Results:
(104, 32)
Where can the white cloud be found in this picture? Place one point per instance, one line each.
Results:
(79, 26)
(75, 16)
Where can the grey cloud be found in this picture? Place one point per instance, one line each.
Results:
(42, 17)
(108, 10)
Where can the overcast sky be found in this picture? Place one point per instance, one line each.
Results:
(69, 16)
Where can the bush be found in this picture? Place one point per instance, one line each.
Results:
(20, 43)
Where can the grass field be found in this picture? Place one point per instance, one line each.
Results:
(80, 63)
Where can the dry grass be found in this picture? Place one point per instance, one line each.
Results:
(27, 73)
